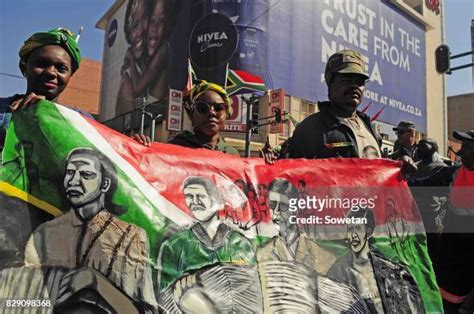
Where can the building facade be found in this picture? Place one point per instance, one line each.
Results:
(286, 44)
(83, 91)
(472, 49)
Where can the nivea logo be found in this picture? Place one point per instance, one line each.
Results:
(211, 37)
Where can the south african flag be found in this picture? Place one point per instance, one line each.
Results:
(241, 82)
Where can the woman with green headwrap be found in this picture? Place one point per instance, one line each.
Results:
(208, 107)
(47, 60)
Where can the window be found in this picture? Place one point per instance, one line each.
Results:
(306, 109)
(416, 5)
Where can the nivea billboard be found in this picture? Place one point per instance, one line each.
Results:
(288, 43)
(303, 34)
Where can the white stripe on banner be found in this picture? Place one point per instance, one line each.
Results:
(164, 206)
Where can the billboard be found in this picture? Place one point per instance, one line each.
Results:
(286, 43)
(140, 53)
(303, 34)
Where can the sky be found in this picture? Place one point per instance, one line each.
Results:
(21, 18)
(459, 14)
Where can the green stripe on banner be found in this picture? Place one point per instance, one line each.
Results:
(44, 134)
(412, 254)
(416, 257)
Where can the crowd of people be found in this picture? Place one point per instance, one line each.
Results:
(338, 130)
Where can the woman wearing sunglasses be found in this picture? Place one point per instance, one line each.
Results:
(208, 107)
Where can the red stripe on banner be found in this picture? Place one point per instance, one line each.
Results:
(452, 297)
(461, 192)
(166, 167)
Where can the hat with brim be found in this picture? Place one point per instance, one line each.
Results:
(464, 136)
(345, 62)
(405, 125)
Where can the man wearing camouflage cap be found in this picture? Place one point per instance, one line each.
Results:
(338, 129)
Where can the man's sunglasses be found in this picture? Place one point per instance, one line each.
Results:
(204, 108)
(404, 131)
(351, 80)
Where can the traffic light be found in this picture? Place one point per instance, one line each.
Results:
(442, 55)
(278, 115)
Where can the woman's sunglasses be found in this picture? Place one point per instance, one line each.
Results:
(204, 108)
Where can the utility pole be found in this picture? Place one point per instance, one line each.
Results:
(252, 124)
(153, 123)
(140, 102)
(249, 102)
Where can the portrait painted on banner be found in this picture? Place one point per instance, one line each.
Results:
(89, 240)
(293, 252)
(208, 241)
(383, 285)
(398, 228)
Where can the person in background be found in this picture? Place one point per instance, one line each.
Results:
(454, 222)
(208, 107)
(426, 156)
(428, 198)
(406, 142)
(47, 61)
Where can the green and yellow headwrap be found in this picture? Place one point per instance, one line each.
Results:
(57, 36)
(202, 86)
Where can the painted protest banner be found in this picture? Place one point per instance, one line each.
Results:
(92, 219)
